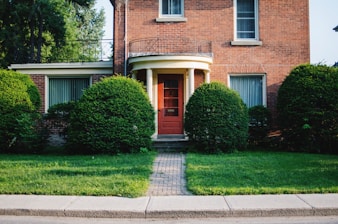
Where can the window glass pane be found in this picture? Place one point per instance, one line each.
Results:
(246, 24)
(165, 7)
(170, 84)
(246, 28)
(62, 90)
(172, 7)
(171, 100)
(250, 88)
(175, 6)
(245, 6)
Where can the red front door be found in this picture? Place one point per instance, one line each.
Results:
(170, 104)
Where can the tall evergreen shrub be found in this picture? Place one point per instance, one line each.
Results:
(112, 116)
(308, 109)
(20, 123)
(216, 119)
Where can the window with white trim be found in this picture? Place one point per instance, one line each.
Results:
(171, 8)
(62, 90)
(246, 19)
(251, 88)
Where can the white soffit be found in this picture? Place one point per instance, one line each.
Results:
(103, 67)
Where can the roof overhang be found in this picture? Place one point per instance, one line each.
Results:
(85, 68)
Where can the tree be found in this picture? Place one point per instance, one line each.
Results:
(82, 34)
(34, 29)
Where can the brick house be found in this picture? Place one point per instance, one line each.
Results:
(175, 45)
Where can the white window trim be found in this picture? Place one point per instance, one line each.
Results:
(60, 76)
(249, 41)
(171, 17)
(264, 93)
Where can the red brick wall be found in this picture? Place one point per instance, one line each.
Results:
(39, 81)
(97, 78)
(283, 30)
(119, 36)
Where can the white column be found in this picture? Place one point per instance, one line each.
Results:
(207, 76)
(150, 84)
(186, 89)
(191, 72)
(134, 75)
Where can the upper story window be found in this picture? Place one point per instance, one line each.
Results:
(246, 22)
(171, 11)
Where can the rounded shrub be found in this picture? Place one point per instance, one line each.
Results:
(216, 119)
(308, 109)
(112, 116)
(20, 123)
(259, 124)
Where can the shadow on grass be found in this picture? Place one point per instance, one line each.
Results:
(100, 173)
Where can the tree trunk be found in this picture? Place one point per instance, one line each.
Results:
(31, 40)
(39, 44)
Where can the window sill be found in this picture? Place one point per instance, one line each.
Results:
(171, 19)
(246, 43)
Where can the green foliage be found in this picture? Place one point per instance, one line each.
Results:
(216, 119)
(84, 27)
(58, 117)
(20, 125)
(29, 32)
(308, 109)
(112, 116)
(259, 124)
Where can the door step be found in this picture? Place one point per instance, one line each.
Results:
(170, 143)
(173, 136)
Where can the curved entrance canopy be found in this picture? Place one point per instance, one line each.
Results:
(170, 81)
(169, 61)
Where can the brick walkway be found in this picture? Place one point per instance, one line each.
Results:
(168, 176)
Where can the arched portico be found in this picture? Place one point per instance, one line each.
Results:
(170, 81)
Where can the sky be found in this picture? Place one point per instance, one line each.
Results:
(323, 18)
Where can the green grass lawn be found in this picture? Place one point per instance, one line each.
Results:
(262, 173)
(122, 175)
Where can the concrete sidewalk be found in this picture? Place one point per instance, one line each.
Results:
(171, 206)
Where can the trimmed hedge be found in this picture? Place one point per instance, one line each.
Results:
(20, 123)
(308, 109)
(216, 119)
(112, 116)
